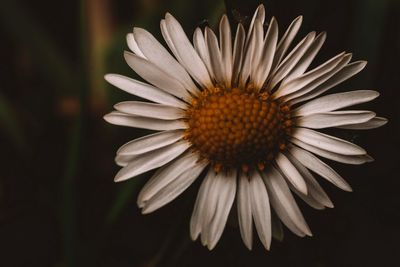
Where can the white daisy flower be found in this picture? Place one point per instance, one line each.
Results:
(241, 114)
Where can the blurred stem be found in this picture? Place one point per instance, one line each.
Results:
(97, 17)
(74, 156)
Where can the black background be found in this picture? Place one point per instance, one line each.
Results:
(58, 203)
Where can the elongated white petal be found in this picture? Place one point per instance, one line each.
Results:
(196, 221)
(123, 160)
(168, 39)
(151, 160)
(250, 49)
(200, 45)
(267, 55)
(313, 186)
(371, 124)
(300, 82)
(316, 165)
(355, 159)
(150, 110)
(156, 76)
(150, 142)
(307, 58)
(244, 210)
(215, 56)
(166, 175)
(336, 101)
(284, 204)
(260, 209)
(327, 142)
(130, 39)
(123, 119)
(238, 53)
(223, 206)
(291, 173)
(259, 14)
(157, 54)
(226, 48)
(143, 90)
(344, 74)
(320, 80)
(186, 53)
(334, 119)
(291, 60)
(286, 40)
(258, 33)
(173, 189)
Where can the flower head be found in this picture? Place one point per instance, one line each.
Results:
(242, 115)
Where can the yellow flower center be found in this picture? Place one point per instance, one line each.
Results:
(237, 128)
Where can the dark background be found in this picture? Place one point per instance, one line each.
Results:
(58, 203)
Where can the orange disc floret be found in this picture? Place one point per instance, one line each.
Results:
(236, 127)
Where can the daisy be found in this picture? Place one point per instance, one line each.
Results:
(241, 114)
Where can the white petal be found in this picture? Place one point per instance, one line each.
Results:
(150, 142)
(309, 199)
(210, 207)
(238, 53)
(123, 119)
(226, 48)
(327, 142)
(150, 110)
(186, 53)
(259, 14)
(173, 189)
(334, 119)
(355, 160)
(300, 82)
(130, 39)
(215, 56)
(371, 124)
(291, 173)
(291, 60)
(202, 49)
(157, 54)
(344, 74)
(223, 207)
(260, 209)
(156, 76)
(166, 175)
(313, 186)
(168, 40)
(267, 55)
(336, 101)
(151, 160)
(197, 218)
(284, 204)
(258, 33)
(307, 58)
(316, 165)
(320, 80)
(123, 160)
(248, 55)
(143, 90)
(244, 211)
(286, 40)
